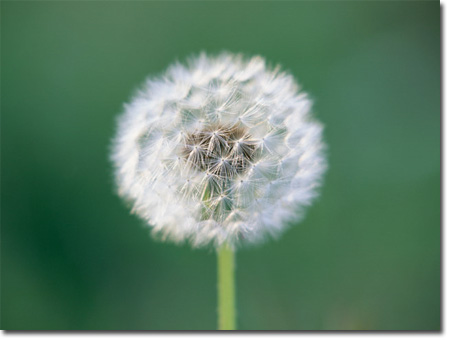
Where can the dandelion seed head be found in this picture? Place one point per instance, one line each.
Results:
(223, 149)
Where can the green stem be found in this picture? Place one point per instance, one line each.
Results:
(225, 288)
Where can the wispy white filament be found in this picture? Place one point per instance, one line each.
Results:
(223, 149)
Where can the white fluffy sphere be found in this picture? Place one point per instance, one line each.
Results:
(221, 150)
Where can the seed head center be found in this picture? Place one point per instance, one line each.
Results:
(223, 151)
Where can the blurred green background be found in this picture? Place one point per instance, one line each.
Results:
(366, 257)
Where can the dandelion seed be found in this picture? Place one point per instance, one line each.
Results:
(221, 151)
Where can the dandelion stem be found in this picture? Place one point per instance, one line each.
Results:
(225, 288)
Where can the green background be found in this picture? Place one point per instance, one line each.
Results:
(367, 256)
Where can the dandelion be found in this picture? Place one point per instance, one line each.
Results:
(221, 151)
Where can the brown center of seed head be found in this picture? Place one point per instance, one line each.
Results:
(223, 151)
